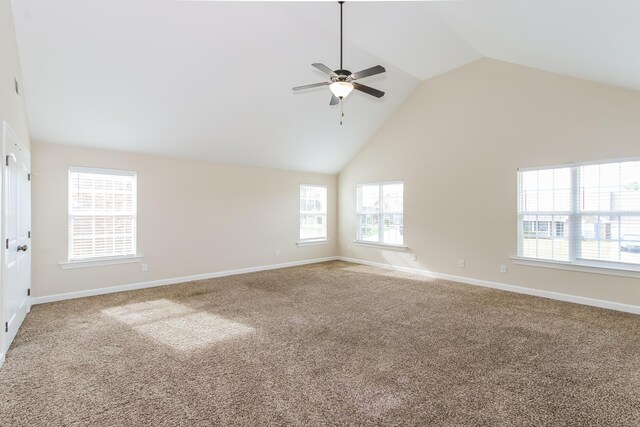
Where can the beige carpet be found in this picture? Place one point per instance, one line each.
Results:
(327, 344)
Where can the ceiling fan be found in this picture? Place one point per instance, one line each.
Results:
(342, 81)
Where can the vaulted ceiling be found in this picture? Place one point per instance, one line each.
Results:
(212, 80)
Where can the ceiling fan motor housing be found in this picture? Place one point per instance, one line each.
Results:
(341, 75)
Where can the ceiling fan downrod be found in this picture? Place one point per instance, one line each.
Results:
(341, 98)
(341, 3)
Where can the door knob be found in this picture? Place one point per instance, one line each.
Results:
(22, 248)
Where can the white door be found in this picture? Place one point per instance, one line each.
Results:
(16, 259)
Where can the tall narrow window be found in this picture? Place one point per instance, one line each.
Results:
(102, 213)
(582, 214)
(380, 213)
(313, 212)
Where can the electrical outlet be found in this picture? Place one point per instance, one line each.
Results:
(503, 268)
(414, 257)
(144, 267)
(277, 252)
(461, 263)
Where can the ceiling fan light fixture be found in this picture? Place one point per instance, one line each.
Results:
(341, 89)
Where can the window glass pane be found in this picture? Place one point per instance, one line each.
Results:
(562, 190)
(529, 191)
(594, 190)
(546, 237)
(629, 197)
(393, 229)
(313, 198)
(312, 226)
(369, 198)
(610, 187)
(369, 227)
(392, 197)
(545, 190)
(613, 238)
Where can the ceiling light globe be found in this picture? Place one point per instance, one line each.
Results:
(341, 89)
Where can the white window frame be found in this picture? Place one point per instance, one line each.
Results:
(314, 240)
(575, 262)
(359, 241)
(100, 261)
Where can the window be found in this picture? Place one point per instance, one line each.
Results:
(313, 212)
(581, 214)
(380, 216)
(102, 213)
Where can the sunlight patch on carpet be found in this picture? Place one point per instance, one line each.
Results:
(176, 325)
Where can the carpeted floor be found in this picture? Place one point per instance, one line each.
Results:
(326, 344)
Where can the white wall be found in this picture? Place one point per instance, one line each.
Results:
(193, 218)
(457, 143)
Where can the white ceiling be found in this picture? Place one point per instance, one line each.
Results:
(595, 40)
(212, 80)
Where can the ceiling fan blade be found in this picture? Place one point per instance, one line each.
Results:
(368, 90)
(310, 86)
(334, 100)
(378, 69)
(324, 69)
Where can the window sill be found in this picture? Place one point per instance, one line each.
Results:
(380, 245)
(100, 262)
(624, 270)
(312, 242)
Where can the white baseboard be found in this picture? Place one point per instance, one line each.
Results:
(171, 281)
(627, 308)
(1, 359)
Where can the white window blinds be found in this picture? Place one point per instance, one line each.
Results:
(585, 214)
(102, 213)
(313, 212)
(380, 213)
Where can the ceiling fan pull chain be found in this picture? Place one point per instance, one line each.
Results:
(341, 111)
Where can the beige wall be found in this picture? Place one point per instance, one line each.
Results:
(457, 142)
(12, 108)
(193, 218)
